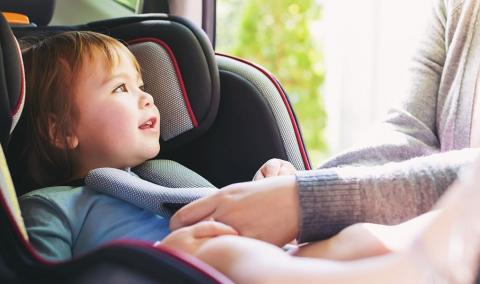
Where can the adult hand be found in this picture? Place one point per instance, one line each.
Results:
(273, 168)
(267, 210)
(190, 239)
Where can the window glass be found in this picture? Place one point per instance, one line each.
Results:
(131, 4)
(363, 49)
(280, 36)
(74, 12)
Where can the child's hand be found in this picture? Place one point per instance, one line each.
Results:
(275, 167)
(190, 239)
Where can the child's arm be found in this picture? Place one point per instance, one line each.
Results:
(48, 230)
(275, 167)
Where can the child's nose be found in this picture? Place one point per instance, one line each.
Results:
(146, 100)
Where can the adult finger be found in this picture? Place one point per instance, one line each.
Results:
(194, 212)
(206, 229)
(271, 168)
(286, 170)
(258, 175)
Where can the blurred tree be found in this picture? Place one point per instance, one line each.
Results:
(277, 35)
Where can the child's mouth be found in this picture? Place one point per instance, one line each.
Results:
(149, 123)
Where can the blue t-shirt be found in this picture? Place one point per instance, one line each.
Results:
(67, 221)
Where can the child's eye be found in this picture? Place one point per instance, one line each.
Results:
(121, 89)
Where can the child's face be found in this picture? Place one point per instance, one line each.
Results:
(119, 126)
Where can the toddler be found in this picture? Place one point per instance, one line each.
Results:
(86, 108)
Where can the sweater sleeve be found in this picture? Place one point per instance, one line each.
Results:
(334, 198)
(408, 130)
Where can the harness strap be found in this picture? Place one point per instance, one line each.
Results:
(161, 187)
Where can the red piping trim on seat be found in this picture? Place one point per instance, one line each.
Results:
(270, 76)
(177, 71)
(188, 260)
(22, 85)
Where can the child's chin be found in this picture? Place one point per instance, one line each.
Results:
(154, 152)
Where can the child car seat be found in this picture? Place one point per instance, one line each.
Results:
(223, 117)
(226, 116)
(249, 122)
(179, 71)
(118, 262)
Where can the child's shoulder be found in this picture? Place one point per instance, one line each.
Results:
(66, 202)
(53, 190)
(58, 194)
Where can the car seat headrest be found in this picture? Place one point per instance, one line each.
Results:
(158, 61)
(12, 84)
(39, 12)
(178, 65)
(179, 71)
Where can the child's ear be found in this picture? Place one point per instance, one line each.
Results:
(72, 141)
(69, 142)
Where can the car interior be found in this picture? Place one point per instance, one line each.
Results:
(202, 97)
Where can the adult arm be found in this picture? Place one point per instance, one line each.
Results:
(332, 199)
(317, 204)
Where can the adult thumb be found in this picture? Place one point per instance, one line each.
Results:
(194, 212)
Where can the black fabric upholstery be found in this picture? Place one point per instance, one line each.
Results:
(5, 117)
(39, 12)
(243, 136)
(10, 80)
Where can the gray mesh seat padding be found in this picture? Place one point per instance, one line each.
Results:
(169, 93)
(161, 185)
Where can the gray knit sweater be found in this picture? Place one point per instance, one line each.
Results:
(416, 152)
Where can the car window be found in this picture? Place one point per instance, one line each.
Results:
(344, 64)
(280, 36)
(74, 12)
(130, 4)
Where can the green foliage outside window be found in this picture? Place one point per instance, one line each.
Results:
(277, 35)
(130, 4)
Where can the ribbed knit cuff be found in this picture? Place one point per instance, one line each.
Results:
(328, 203)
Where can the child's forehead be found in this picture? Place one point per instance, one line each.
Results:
(99, 70)
(112, 58)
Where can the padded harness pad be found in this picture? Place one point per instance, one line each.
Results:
(162, 186)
